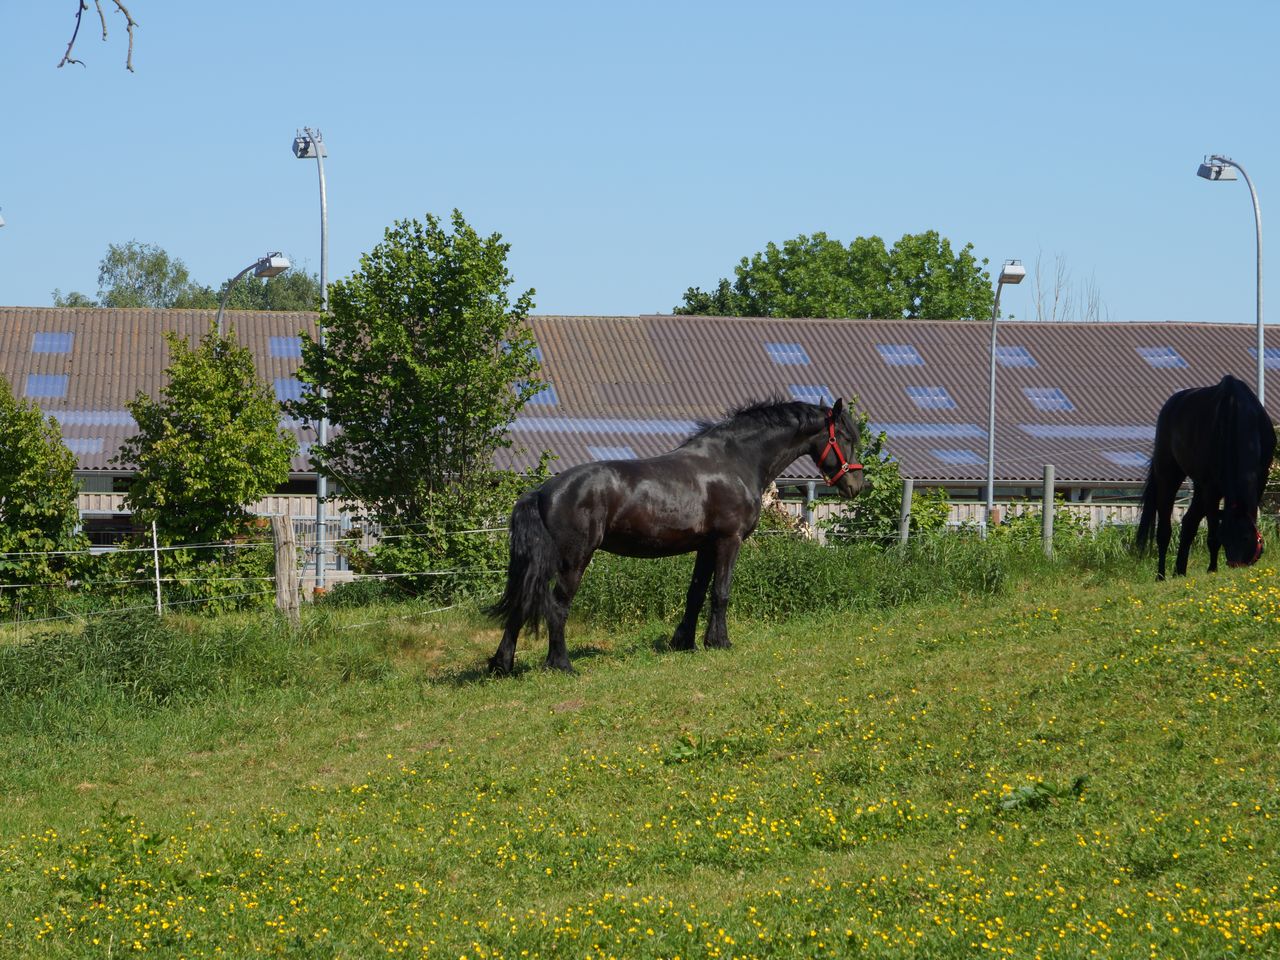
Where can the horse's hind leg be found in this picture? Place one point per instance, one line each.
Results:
(726, 552)
(503, 660)
(1190, 524)
(703, 566)
(567, 582)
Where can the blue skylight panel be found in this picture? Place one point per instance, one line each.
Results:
(545, 398)
(931, 398)
(811, 393)
(787, 354)
(285, 347)
(1015, 357)
(52, 342)
(1161, 357)
(46, 385)
(537, 353)
(1127, 458)
(288, 388)
(900, 355)
(85, 445)
(958, 457)
(610, 453)
(958, 431)
(1048, 398)
(1270, 356)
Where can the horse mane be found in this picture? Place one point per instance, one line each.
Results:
(771, 412)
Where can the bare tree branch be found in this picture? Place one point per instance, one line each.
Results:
(81, 7)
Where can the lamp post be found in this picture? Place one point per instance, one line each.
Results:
(1218, 167)
(272, 265)
(1012, 272)
(307, 144)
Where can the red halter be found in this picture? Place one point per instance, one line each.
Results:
(845, 465)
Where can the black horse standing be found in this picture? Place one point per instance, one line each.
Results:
(704, 496)
(1222, 438)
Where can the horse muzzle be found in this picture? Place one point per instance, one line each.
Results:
(1257, 554)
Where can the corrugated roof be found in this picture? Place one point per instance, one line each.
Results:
(1087, 404)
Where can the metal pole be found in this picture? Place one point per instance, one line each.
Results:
(322, 432)
(1046, 511)
(1257, 223)
(991, 417)
(904, 518)
(227, 293)
(155, 553)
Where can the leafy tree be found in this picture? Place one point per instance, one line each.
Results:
(209, 447)
(137, 274)
(38, 509)
(427, 360)
(292, 290)
(920, 276)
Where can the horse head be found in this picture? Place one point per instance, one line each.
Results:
(1240, 536)
(833, 448)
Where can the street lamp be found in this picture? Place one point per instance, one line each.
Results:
(1218, 167)
(1012, 272)
(272, 265)
(307, 144)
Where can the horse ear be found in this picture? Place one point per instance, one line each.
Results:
(837, 408)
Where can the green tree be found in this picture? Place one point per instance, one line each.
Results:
(920, 276)
(137, 274)
(209, 447)
(38, 509)
(426, 363)
(292, 290)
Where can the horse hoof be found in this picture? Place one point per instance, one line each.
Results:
(499, 669)
(565, 667)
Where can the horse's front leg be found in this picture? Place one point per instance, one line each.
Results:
(1190, 524)
(1211, 522)
(726, 554)
(703, 566)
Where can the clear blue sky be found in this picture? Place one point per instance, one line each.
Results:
(628, 151)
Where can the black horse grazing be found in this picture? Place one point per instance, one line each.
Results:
(704, 496)
(1222, 438)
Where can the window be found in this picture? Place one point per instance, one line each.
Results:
(958, 457)
(1161, 356)
(46, 385)
(931, 398)
(1270, 356)
(52, 342)
(1015, 357)
(811, 393)
(545, 398)
(84, 445)
(288, 388)
(1127, 458)
(1048, 398)
(610, 453)
(787, 354)
(900, 355)
(286, 347)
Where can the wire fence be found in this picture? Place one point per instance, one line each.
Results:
(172, 590)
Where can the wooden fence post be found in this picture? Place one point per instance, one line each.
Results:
(155, 555)
(1046, 511)
(904, 518)
(287, 599)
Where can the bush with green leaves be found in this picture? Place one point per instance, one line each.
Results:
(874, 515)
(39, 516)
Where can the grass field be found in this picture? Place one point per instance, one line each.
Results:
(1071, 763)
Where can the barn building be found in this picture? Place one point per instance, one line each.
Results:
(1082, 397)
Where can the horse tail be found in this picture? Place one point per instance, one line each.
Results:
(1147, 520)
(532, 563)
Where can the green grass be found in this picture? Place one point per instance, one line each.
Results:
(1033, 758)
